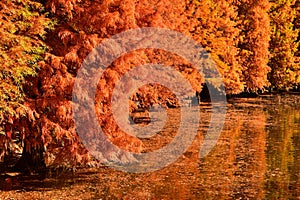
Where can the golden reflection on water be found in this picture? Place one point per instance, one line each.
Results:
(257, 157)
(283, 153)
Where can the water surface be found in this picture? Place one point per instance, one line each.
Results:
(257, 157)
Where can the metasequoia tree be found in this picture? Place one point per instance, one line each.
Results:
(23, 27)
(254, 42)
(284, 45)
(297, 22)
(214, 25)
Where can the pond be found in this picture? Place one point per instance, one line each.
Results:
(257, 156)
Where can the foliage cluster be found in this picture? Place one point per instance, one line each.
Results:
(254, 43)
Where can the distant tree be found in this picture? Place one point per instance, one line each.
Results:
(284, 63)
(297, 27)
(254, 42)
(297, 20)
(23, 26)
(214, 25)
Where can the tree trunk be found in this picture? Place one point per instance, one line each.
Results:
(32, 160)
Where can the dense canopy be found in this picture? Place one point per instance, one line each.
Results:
(254, 43)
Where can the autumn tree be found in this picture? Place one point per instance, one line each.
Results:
(81, 26)
(284, 45)
(214, 25)
(23, 28)
(297, 24)
(254, 42)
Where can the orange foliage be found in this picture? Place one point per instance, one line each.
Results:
(254, 44)
(239, 49)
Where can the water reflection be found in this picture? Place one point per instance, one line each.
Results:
(283, 153)
(257, 157)
(236, 166)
